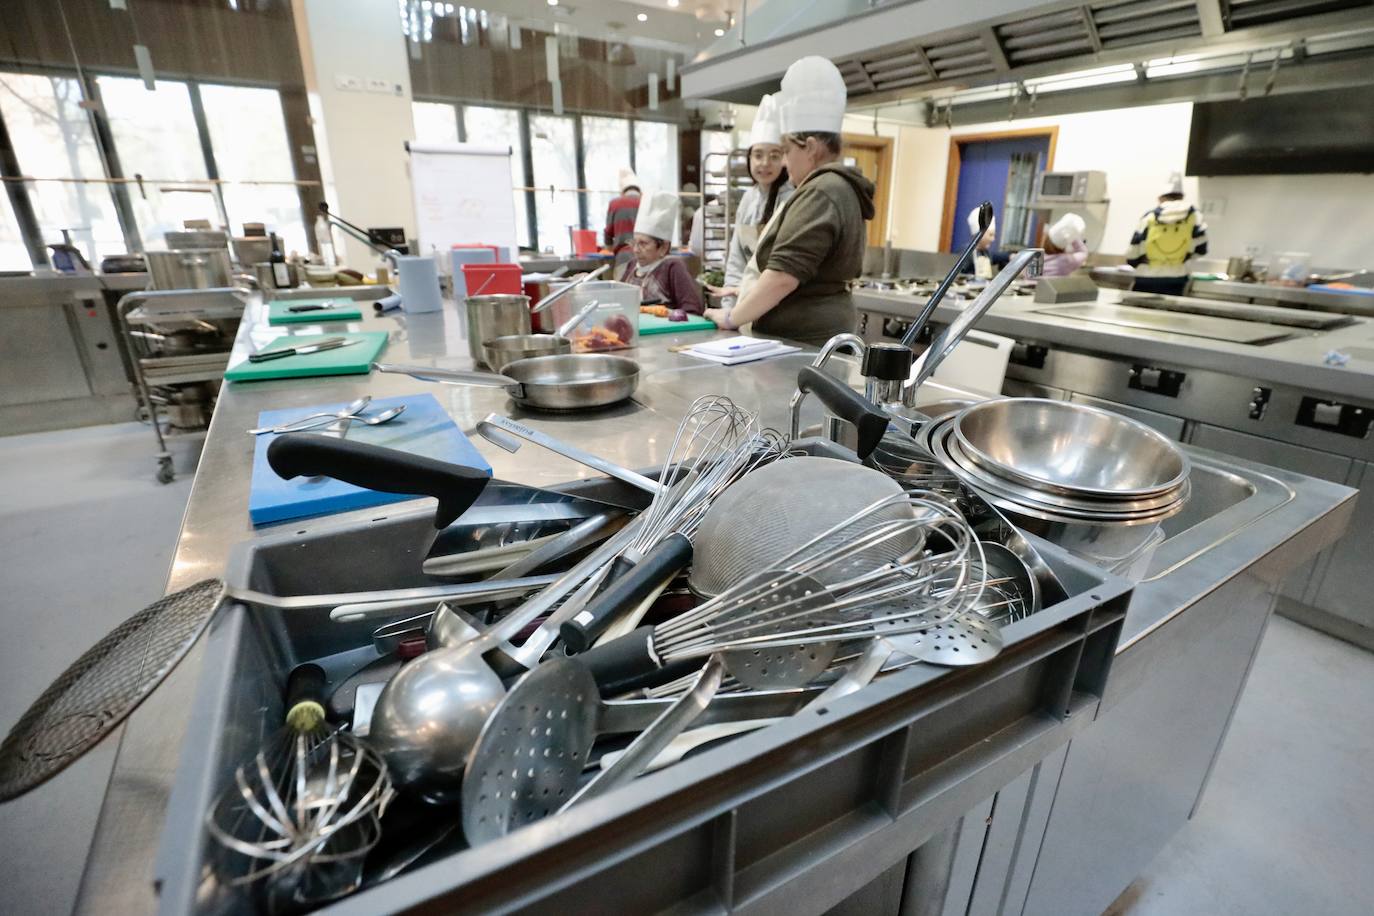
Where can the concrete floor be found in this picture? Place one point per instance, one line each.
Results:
(86, 539)
(1287, 824)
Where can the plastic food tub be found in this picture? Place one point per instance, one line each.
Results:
(615, 323)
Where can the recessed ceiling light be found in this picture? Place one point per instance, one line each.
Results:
(642, 17)
(553, 2)
(673, 3)
(720, 33)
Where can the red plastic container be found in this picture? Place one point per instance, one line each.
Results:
(490, 279)
(584, 241)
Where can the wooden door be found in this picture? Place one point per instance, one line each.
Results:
(982, 167)
(873, 157)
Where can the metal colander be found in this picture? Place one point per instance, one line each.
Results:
(779, 507)
(103, 686)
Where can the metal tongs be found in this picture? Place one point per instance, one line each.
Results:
(984, 221)
(943, 345)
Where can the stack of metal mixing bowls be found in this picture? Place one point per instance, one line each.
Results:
(1080, 476)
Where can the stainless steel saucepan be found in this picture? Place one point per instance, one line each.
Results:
(572, 381)
(500, 352)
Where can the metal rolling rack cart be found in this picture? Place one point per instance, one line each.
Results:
(725, 175)
(185, 383)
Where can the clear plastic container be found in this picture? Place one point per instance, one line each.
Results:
(1290, 268)
(614, 325)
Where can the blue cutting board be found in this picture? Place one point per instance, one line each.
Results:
(424, 429)
(280, 312)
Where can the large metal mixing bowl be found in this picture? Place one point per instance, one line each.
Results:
(1070, 449)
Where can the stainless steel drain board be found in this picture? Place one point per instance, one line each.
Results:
(1205, 326)
(1240, 311)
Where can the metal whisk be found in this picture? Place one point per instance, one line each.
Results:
(781, 627)
(303, 813)
(715, 445)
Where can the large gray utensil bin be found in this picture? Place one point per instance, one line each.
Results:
(794, 818)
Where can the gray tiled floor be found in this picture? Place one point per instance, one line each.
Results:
(86, 535)
(86, 538)
(1287, 822)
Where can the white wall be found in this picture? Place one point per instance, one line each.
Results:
(1136, 147)
(1329, 216)
(363, 129)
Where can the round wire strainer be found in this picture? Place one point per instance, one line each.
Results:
(103, 686)
(772, 511)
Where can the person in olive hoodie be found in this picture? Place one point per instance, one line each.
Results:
(815, 243)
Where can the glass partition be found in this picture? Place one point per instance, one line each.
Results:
(155, 133)
(605, 150)
(253, 156)
(13, 254)
(435, 122)
(499, 126)
(53, 142)
(656, 155)
(554, 155)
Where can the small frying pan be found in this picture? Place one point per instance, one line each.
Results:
(571, 381)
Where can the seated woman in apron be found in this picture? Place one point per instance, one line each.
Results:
(816, 241)
(662, 280)
(770, 190)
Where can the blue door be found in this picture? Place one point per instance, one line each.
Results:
(1001, 171)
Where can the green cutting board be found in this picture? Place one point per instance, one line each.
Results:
(652, 324)
(278, 312)
(355, 359)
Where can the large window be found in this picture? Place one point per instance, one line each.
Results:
(605, 151)
(497, 127)
(155, 134)
(435, 122)
(554, 151)
(656, 155)
(248, 136)
(13, 254)
(53, 139)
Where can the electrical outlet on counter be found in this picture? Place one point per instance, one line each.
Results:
(346, 83)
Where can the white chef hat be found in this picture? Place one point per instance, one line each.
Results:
(1174, 185)
(813, 97)
(657, 215)
(765, 128)
(973, 222)
(1068, 227)
(628, 179)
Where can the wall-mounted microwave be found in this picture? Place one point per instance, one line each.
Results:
(1071, 187)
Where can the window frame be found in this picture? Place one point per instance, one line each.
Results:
(112, 168)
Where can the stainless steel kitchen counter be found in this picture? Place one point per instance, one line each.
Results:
(1297, 361)
(637, 434)
(119, 869)
(1292, 296)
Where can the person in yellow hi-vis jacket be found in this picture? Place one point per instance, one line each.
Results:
(1165, 240)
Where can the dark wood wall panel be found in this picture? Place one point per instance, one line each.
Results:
(199, 39)
(598, 77)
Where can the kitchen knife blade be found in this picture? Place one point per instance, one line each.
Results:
(331, 343)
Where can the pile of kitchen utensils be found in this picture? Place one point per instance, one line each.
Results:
(783, 625)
